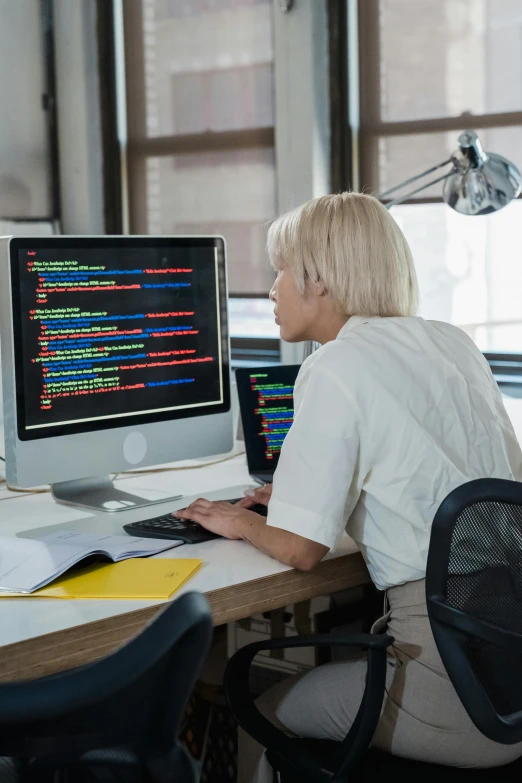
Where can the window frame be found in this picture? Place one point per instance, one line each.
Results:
(302, 170)
(373, 127)
(113, 156)
(140, 147)
(262, 350)
(49, 104)
(507, 370)
(125, 148)
(357, 109)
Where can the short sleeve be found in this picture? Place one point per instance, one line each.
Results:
(315, 485)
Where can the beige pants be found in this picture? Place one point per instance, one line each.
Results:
(422, 717)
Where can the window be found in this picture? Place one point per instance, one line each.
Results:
(200, 108)
(26, 140)
(428, 70)
(215, 91)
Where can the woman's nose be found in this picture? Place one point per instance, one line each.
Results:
(272, 294)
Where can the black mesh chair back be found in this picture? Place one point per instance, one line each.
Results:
(125, 708)
(474, 597)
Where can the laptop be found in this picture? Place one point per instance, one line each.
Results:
(266, 402)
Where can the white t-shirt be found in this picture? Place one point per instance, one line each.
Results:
(389, 418)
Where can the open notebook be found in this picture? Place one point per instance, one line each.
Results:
(26, 564)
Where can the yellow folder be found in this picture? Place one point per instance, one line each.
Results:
(134, 578)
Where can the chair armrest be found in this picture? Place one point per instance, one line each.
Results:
(239, 699)
(366, 640)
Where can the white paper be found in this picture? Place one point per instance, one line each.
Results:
(27, 564)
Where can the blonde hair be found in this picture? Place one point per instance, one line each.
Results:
(350, 243)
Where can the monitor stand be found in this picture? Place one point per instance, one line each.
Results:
(98, 493)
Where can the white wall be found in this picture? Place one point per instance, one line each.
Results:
(25, 186)
(79, 128)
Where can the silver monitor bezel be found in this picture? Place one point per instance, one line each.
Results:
(94, 450)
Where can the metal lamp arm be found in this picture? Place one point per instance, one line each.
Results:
(411, 193)
(409, 181)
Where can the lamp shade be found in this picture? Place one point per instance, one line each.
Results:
(480, 182)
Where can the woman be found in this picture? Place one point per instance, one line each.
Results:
(391, 414)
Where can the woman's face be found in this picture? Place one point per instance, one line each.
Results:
(295, 312)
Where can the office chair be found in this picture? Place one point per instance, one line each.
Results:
(474, 598)
(117, 719)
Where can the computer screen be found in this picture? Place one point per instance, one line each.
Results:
(113, 334)
(267, 411)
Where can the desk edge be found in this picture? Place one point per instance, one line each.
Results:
(82, 644)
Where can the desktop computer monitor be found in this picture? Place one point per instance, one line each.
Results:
(115, 355)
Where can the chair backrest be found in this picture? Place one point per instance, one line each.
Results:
(474, 598)
(134, 698)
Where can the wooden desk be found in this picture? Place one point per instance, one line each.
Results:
(42, 636)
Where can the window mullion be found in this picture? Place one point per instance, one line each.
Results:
(302, 132)
(438, 124)
(156, 146)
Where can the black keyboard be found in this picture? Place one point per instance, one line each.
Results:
(174, 528)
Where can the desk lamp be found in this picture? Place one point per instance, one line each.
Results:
(478, 183)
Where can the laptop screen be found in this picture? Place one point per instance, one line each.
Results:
(266, 400)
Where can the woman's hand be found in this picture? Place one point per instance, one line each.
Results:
(236, 521)
(252, 496)
(219, 516)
